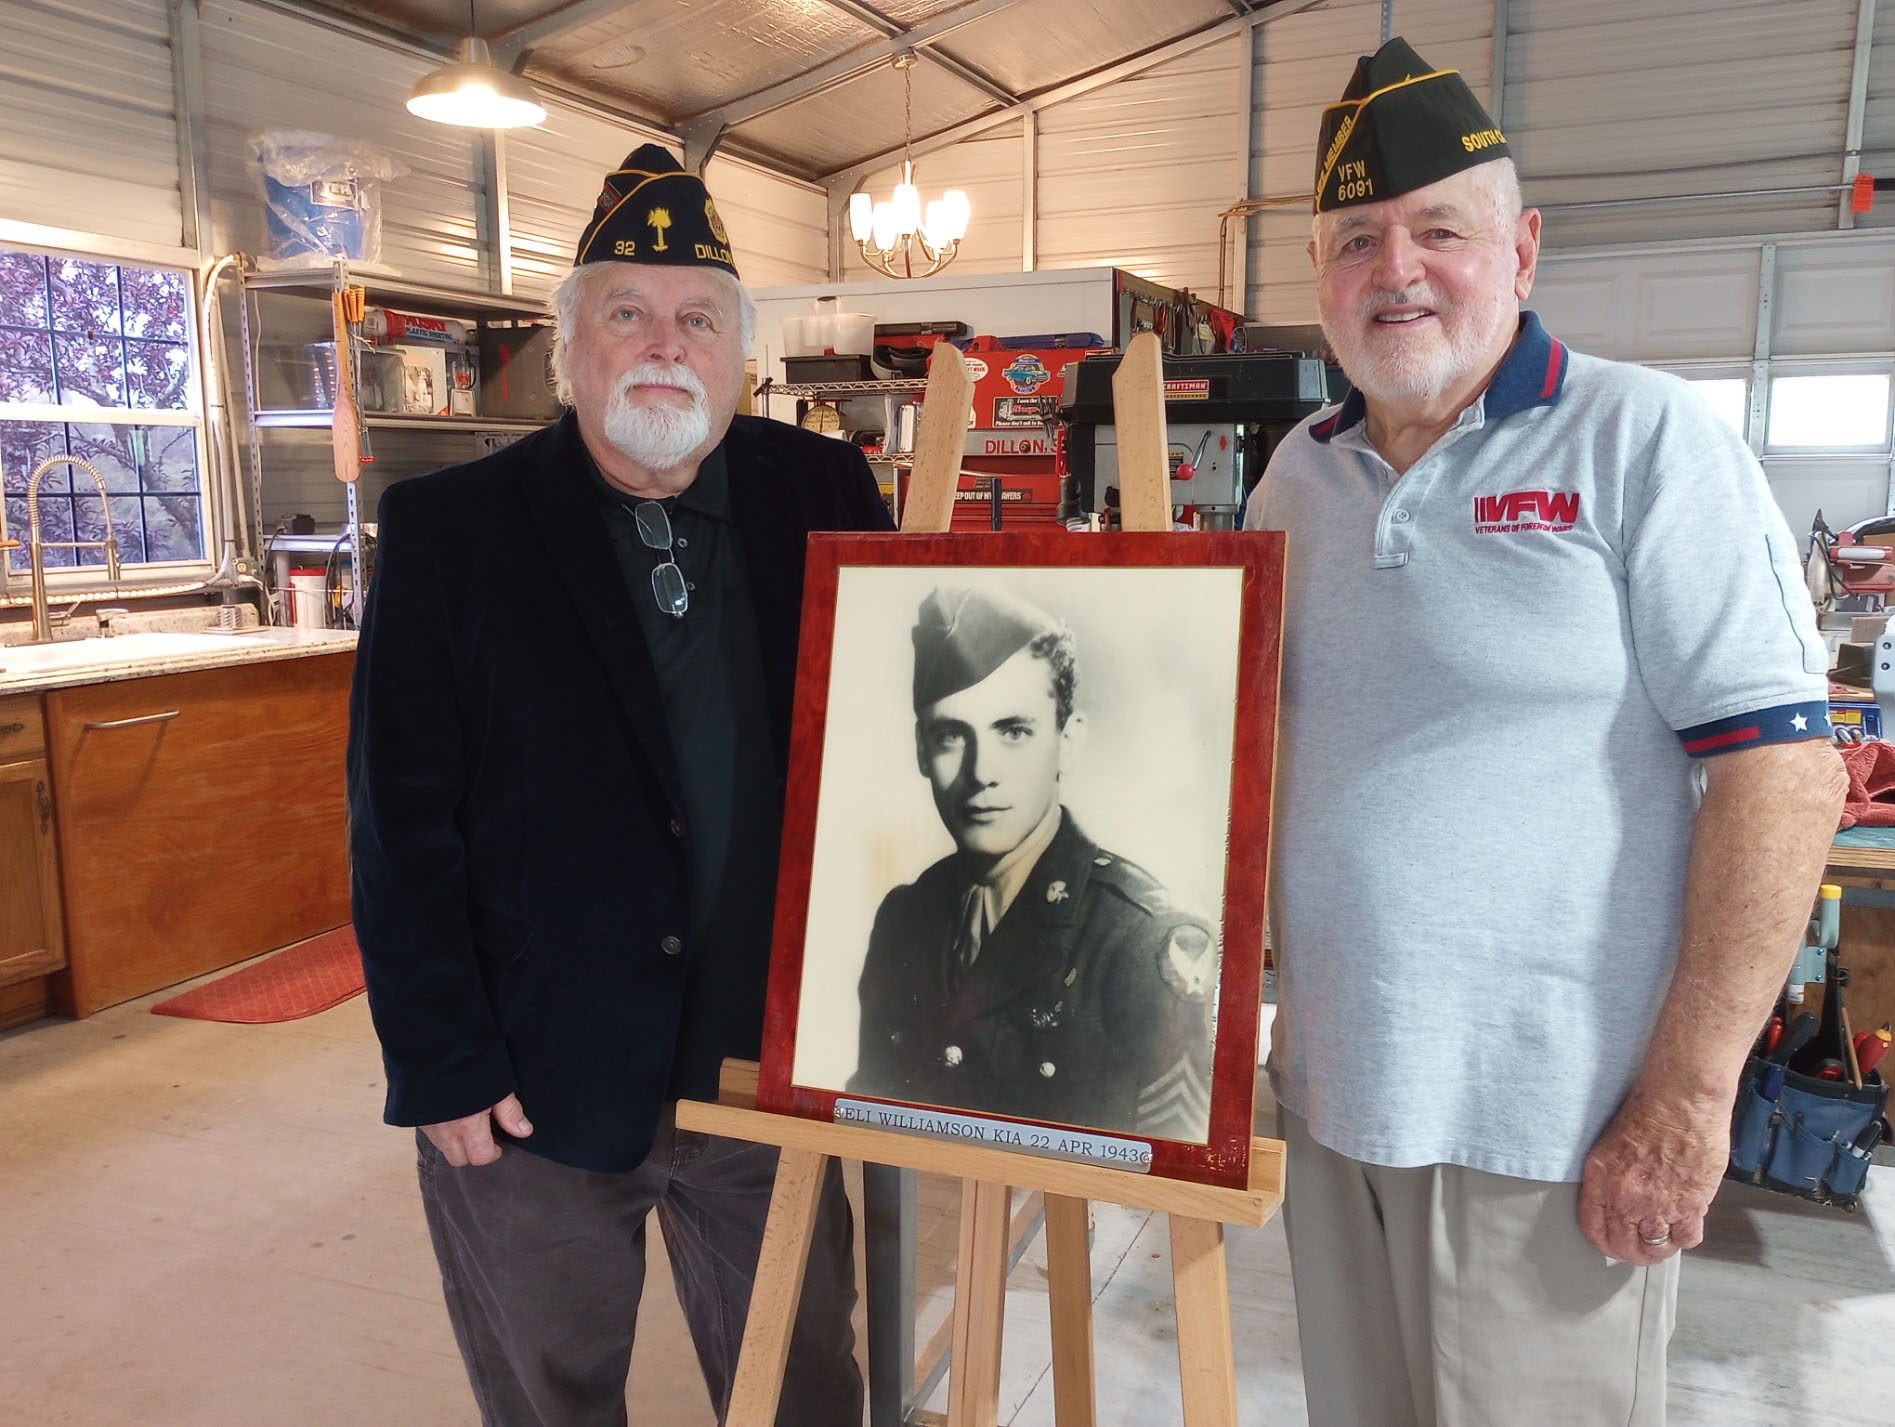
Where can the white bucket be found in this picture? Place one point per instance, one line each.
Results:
(854, 333)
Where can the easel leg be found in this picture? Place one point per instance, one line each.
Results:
(1201, 1289)
(980, 1299)
(778, 1289)
(1069, 1289)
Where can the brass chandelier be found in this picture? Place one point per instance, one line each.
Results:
(889, 232)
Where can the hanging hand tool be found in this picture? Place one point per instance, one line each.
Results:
(348, 435)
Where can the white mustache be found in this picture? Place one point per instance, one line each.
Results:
(663, 374)
(1421, 296)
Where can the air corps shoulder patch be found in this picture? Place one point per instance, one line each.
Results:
(1188, 962)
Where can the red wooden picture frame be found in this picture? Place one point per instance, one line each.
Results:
(1224, 1156)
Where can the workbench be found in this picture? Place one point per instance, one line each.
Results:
(1867, 876)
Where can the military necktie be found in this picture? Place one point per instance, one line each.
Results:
(967, 939)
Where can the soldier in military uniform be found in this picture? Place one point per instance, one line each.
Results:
(1029, 973)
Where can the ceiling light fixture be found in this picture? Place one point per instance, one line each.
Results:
(476, 93)
(893, 228)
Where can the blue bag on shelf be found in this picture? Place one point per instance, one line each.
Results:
(321, 197)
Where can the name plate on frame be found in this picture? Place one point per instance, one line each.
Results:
(1050, 1141)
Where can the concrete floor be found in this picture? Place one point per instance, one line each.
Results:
(205, 1225)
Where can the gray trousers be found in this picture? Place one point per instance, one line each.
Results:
(543, 1266)
(1444, 1295)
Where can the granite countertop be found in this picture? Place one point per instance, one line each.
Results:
(31, 668)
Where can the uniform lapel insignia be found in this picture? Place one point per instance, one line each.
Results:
(1056, 892)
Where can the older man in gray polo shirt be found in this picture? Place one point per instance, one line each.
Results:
(1521, 955)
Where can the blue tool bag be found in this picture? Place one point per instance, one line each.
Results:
(1802, 1125)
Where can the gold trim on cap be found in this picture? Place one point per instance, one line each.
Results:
(1358, 105)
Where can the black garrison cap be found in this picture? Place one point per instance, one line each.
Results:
(1400, 125)
(654, 210)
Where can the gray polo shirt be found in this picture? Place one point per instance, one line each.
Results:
(1498, 669)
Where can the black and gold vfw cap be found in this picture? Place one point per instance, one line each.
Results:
(1400, 125)
(653, 209)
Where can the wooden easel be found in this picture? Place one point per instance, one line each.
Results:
(1200, 1286)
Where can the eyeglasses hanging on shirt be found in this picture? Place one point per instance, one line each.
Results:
(667, 580)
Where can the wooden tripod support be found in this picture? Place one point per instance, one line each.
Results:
(1198, 1212)
(1200, 1287)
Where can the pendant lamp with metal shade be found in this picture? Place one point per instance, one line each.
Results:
(476, 93)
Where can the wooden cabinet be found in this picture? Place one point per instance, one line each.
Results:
(200, 820)
(32, 941)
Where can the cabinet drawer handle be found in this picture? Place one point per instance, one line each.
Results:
(45, 808)
(7, 730)
(129, 722)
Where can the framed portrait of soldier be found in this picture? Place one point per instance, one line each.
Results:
(1026, 843)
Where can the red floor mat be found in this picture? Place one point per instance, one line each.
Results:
(297, 981)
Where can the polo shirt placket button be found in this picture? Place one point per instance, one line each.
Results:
(1401, 517)
(677, 828)
(671, 946)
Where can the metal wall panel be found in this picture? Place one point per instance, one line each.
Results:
(779, 227)
(266, 70)
(989, 170)
(89, 136)
(1625, 98)
(1844, 488)
(1134, 174)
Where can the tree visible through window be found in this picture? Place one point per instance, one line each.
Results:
(95, 362)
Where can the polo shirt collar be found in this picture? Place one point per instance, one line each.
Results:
(1533, 373)
(708, 495)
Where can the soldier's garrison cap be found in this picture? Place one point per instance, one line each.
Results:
(963, 635)
(653, 209)
(1400, 125)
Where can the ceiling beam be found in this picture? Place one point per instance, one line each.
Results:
(510, 48)
(847, 178)
(845, 67)
(893, 29)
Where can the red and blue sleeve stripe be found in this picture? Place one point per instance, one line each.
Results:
(1786, 723)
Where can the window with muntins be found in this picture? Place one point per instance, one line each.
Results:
(96, 361)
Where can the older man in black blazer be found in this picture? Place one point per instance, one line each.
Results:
(568, 743)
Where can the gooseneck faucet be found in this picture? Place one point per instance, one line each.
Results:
(36, 547)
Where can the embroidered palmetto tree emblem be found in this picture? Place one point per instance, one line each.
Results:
(659, 219)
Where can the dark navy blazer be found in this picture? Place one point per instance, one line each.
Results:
(519, 854)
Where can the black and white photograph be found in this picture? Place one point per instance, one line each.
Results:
(1017, 876)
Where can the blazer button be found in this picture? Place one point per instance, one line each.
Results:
(671, 946)
(677, 828)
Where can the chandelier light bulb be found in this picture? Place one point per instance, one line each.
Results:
(884, 230)
(907, 203)
(861, 216)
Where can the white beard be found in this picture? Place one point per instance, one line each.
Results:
(658, 436)
(1385, 368)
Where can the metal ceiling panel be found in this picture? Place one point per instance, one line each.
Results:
(270, 70)
(438, 21)
(910, 13)
(832, 130)
(1037, 45)
(1133, 175)
(989, 171)
(678, 60)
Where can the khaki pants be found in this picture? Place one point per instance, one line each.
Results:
(1443, 1295)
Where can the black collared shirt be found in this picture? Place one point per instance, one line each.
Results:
(710, 679)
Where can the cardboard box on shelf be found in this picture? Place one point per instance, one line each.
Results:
(516, 372)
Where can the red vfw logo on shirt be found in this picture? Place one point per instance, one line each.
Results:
(1525, 510)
